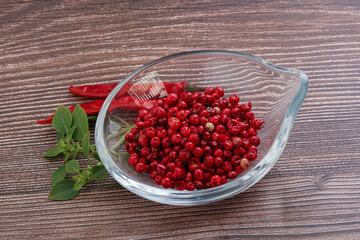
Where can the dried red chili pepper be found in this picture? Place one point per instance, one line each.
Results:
(95, 91)
(124, 101)
(93, 108)
(103, 90)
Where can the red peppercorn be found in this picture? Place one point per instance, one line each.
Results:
(249, 115)
(207, 150)
(184, 155)
(246, 143)
(234, 99)
(170, 166)
(166, 142)
(232, 174)
(172, 155)
(218, 153)
(140, 167)
(254, 140)
(209, 126)
(194, 137)
(257, 123)
(172, 99)
(176, 138)
(238, 169)
(182, 105)
(200, 129)
(209, 161)
(215, 136)
(182, 115)
(222, 138)
(142, 113)
(145, 151)
(252, 148)
(161, 133)
(252, 131)
(188, 176)
(227, 154)
(215, 180)
(174, 123)
(166, 182)
(235, 160)
(235, 130)
(251, 155)
(161, 169)
(244, 163)
(215, 120)
(220, 129)
(218, 161)
(204, 113)
(206, 136)
(129, 137)
(198, 174)
(158, 179)
(209, 90)
(198, 152)
(193, 164)
(220, 171)
(189, 146)
(179, 163)
(227, 166)
(237, 142)
(190, 186)
(180, 185)
(213, 144)
(129, 148)
(219, 90)
(197, 107)
(133, 159)
(143, 140)
(185, 131)
(194, 119)
(228, 145)
(153, 174)
(155, 142)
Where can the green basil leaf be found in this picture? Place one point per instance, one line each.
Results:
(78, 185)
(72, 166)
(60, 137)
(96, 155)
(67, 156)
(62, 119)
(69, 134)
(98, 172)
(63, 190)
(53, 152)
(58, 175)
(80, 121)
(85, 144)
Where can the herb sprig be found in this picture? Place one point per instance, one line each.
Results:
(73, 137)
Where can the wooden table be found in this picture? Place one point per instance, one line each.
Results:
(313, 192)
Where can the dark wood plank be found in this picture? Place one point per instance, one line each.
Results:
(313, 191)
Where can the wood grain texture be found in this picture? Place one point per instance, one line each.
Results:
(312, 192)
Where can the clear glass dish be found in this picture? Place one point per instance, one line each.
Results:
(276, 93)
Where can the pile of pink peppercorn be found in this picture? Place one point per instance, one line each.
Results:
(194, 140)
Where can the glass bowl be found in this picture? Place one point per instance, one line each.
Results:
(275, 92)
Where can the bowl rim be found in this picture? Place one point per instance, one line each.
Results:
(174, 197)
